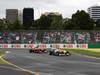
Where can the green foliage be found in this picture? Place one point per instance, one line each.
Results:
(56, 23)
(81, 20)
(97, 23)
(48, 22)
(1, 24)
(6, 25)
(67, 25)
(44, 22)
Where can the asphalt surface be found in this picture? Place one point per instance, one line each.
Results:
(10, 70)
(51, 65)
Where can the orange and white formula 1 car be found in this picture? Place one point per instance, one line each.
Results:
(59, 52)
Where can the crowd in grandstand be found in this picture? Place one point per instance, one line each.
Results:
(49, 37)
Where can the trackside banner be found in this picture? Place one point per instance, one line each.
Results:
(44, 45)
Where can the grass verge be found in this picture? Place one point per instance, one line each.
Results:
(2, 53)
(85, 52)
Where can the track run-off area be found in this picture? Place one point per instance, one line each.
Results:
(24, 63)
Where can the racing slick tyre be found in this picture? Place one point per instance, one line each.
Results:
(50, 53)
(67, 54)
(30, 51)
(57, 53)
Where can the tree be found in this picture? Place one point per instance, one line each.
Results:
(1, 24)
(67, 24)
(17, 25)
(43, 23)
(48, 22)
(97, 23)
(81, 20)
(56, 23)
(4, 24)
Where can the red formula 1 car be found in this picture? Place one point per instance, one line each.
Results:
(37, 50)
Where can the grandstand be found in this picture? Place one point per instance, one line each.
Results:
(49, 37)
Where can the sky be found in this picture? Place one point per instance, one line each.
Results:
(65, 7)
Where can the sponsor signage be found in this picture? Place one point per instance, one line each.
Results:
(29, 46)
(4, 45)
(16, 46)
(82, 46)
(68, 46)
(44, 45)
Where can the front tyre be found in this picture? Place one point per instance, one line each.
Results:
(67, 54)
(50, 53)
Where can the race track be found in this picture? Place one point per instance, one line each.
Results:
(45, 64)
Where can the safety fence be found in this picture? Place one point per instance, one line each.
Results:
(93, 45)
(50, 45)
(44, 45)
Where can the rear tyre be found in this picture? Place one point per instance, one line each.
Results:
(57, 53)
(30, 51)
(50, 53)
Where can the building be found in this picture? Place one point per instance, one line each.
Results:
(12, 15)
(20, 16)
(94, 12)
(51, 13)
(28, 16)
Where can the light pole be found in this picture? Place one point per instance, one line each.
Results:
(94, 26)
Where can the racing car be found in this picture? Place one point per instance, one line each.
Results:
(58, 52)
(37, 50)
